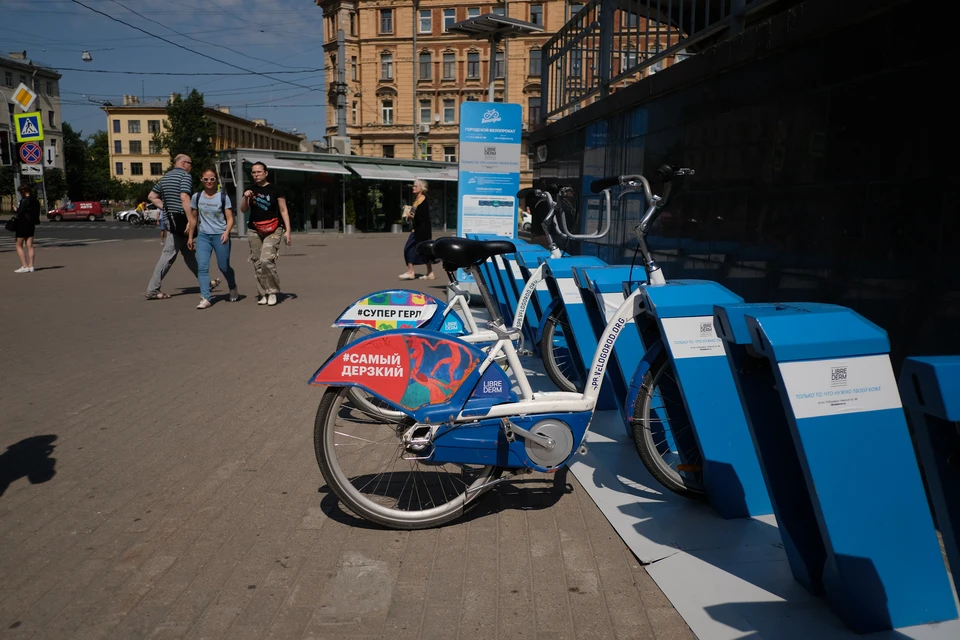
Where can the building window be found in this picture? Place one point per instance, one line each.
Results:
(8, 79)
(116, 126)
(136, 168)
(533, 110)
(156, 168)
(426, 111)
(473, 64)
(535, 58)
(426, 65)
(353, 23)
(449, 66)
(50, 119)
(117, 147)
(473, 12)
(388, 151)
(133, 126)
(386, 111)
(574, 8)
(49, 88)
(386, 66)
(353, 113)
(153, 147)
(472, 99)
(353, 68)
(136, 146)
(536, 14)
(118, 168)
(153, 126)
(449, 154)
(426, 21)
(386, 20)
(629, 19)
(449, 19)
(497, 11)
(23, 79)
(498, 65)
(425, 151)
(449, 111)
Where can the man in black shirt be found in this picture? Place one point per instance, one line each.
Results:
(267, 204)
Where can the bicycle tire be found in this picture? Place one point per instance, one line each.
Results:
(688, 481)
(386, 486)
(558, 360)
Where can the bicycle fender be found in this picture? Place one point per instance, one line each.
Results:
(423, 373)
(645, 363)
(393, 309)
(546, 314)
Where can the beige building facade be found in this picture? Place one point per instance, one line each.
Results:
(134, 157)
(405, 75)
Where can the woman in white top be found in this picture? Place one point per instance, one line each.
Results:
(215, 212)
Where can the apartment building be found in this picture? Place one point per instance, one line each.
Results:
(405, 74)
(15, 68)
(135, 157)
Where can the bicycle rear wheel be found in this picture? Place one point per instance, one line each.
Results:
(559, 360)
(366, 464)
(663, 434)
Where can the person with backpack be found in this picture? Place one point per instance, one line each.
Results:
(214, 211)
(171, 194)
(27, 219)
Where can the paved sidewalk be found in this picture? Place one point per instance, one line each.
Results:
(185, 500)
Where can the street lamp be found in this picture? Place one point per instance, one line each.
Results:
(494, 28)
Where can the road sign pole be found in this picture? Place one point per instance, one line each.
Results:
(13, 160)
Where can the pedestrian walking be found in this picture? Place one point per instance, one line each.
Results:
(422, 229)
(171, 194)
(214, 212)
(267, 204)
(28, 217)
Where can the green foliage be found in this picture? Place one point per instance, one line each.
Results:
(75, 156)
(98, 184)
(351, 213)
(6, 181)
(55, 184)
(138, 191)
(189, 131)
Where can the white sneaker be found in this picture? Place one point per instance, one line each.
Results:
(272, 299)
(21, 270)
(204, 304)
(30, 269)
(262, 301)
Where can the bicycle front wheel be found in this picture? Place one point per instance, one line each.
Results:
(559, 360)
(663, 434)
(363, 458)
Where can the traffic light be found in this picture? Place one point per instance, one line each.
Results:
(5, 155)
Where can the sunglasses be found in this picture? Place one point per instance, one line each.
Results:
(208, 179)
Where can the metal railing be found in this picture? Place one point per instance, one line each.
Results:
(607, 45)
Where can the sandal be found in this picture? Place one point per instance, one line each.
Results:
(431, 276)
(159, 295)
(214, 283)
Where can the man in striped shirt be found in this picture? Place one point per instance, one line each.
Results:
(172, 194)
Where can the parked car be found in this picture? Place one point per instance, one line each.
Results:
(526, 221)
(77, 211)
(151, 210)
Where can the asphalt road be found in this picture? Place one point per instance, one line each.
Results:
(52, 234)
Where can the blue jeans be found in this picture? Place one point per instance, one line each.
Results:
(206, 244)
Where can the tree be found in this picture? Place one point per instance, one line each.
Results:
(75, 156)
(55, 184)
(188, 131)
(98, 184)
(138, 191)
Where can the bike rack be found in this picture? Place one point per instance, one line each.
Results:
(683, 310)
(850, 502)
(930, 388)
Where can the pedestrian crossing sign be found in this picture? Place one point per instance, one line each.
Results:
(29, 127)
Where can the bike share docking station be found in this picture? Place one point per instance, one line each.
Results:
(828, 427)
(930, 388)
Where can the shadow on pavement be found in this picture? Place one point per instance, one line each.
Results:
(59, 266)
(30, 459)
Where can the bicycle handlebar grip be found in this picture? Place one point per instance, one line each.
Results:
(526, 193)
(604, 183)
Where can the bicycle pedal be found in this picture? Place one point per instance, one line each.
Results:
(524, 352)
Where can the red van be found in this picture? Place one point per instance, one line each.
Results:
(77, 211)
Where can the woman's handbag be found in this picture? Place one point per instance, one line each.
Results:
(12, 224)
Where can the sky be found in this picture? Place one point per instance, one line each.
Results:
(243, 38)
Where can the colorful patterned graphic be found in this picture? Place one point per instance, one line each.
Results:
(390, 310)
(410, 371)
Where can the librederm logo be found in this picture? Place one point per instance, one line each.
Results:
(489, 116)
